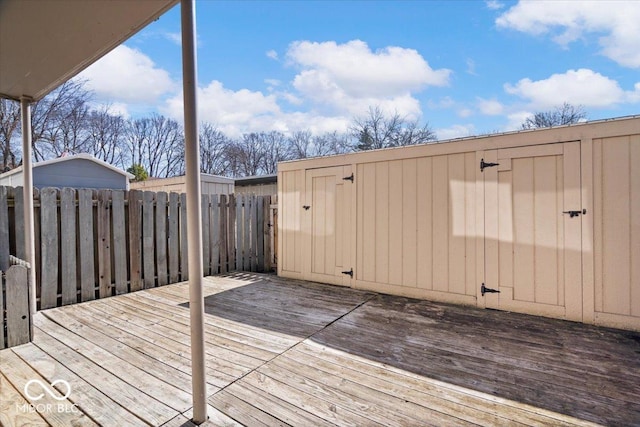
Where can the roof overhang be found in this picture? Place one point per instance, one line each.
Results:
(44, 43)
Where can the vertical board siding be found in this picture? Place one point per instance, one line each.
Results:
(416, 223)
(617, 227)
(290, 238)
(98, 243)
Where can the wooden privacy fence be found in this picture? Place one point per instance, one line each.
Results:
(97, 243)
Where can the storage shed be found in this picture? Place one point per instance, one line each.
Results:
(543, 222)
(77, 171)
(209, 184)
(260, 185)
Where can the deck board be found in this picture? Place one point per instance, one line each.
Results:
(287, 352)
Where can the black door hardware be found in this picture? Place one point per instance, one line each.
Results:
(350, 272)
(485, 290)
(348, 178)
(483, 165)
(306, 207)
(575, 213)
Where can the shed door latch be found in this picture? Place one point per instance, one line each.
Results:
(575, 213)
(484, 164)
(350, 272)
(348, 178)
(485, 290)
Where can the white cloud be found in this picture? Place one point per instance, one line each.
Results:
(490, 107)
(455, 131)
(175, 38)
(579, 87)
(272, 54)
(615, 22)
(350, 77)
(242, 111)
(516, 119)
(494, 4)
(465, 112)
(471, 67)
(127, 76)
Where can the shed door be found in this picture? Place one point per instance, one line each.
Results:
(532, 246)
(328, 225)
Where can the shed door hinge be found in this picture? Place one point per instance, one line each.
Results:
(483, 165)
(350, 272)
(348, 178)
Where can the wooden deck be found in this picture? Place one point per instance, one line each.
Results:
(282, 352)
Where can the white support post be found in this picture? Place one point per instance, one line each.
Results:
(194, 219)
(29, 227)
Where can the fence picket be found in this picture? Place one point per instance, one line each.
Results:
(238, 245)
(246, 238)
(68, 278)
(254, 235)
(205, 203)
(86, 254)
(4, 230)
(161, 238)
(104, 243)
(174, 238)
(214, 236)
(135, 240)
(148, 255)
(19, 222)
(17, 299)
(266, 220)
(222, 230)
(259, 232)
(119, 241)
(49, 251)
(184, 244)
(231, 230)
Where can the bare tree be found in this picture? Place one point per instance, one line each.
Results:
(51, 112)
(303, 145)
(379, 131)
(214, 146)
(565, 114)
(274, 146)
(9, 128)
(156, 143)
(105, 136)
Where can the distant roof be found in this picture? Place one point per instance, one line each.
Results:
(83, 156)
(257, 180)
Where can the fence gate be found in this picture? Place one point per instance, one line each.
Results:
(532, 219)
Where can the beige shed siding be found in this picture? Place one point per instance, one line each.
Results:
(417, 225)
(427, 223)
(258, 190)
(289, 223)
(210, 184)
(616, 170)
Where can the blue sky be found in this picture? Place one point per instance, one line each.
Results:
(463, 67)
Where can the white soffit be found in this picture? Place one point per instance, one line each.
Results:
(44, 43)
